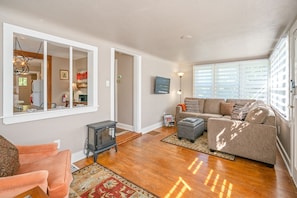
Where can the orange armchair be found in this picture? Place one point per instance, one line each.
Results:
(43, 166)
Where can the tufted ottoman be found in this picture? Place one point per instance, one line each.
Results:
(190, 128)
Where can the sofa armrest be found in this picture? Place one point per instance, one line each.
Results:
(178, 109)
(28, 154)
(13, 185)
(250, 140)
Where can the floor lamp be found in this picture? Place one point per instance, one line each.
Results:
(179, 92)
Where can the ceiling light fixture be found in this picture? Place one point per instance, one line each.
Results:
(20, 61)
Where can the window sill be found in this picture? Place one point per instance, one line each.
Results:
(26, 117)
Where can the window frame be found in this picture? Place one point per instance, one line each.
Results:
(8, 116)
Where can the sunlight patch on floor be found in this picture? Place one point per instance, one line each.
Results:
(195, 161)
(208, 177)
(214, 181)
(226, 189)
(179, 184)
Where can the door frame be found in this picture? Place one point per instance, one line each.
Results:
(136, 87)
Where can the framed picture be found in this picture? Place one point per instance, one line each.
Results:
(64, 74)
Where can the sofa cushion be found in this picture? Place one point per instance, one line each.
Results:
(206, 116)
(257, 115)
(9, 158)
(192, 105)
(212, 105)
(226, 108)
(200, 103)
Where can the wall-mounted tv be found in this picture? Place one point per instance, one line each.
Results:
(162, 85)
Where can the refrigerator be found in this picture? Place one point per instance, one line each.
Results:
(37, 92)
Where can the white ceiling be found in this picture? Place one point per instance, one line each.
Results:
(221, 29)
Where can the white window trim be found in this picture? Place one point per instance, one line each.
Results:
(8, 116)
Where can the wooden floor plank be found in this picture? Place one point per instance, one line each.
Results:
(171, 171)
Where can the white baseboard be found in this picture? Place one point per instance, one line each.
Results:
(152, 127)
(284, 155)
(79, 156)
(125, 126)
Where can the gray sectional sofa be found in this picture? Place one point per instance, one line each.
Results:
(241, 127)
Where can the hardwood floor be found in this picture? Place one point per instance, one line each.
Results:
(171, 171)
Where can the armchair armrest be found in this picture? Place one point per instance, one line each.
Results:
(28, 154)
(13, 185)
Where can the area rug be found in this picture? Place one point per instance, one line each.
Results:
(200, 145)
(97, 181)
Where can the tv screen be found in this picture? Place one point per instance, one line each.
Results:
(162, 85)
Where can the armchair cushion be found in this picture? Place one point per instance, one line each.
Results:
(40, 165)
(32, 153)
(9, 158)
(58, 167)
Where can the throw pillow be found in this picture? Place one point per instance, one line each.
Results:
(240, 111)
(192, 106)
(9, 158)
(183, 106)
(257, 115)
(226, 108)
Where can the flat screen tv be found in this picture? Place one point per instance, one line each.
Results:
(162, 85)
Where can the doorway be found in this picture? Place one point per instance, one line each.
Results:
(118, 78)
(124, 90)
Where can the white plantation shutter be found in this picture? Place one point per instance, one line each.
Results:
(203, 78)
(279, 61)
(226, 80)
(244, 79)
(254, 80)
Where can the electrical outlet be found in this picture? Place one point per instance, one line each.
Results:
(58, 142)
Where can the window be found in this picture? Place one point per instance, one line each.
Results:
(23, 81)
(35, 60)
(279, 61)
(244, 79)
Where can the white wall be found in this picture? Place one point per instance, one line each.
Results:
(71, 130)
(187, 81)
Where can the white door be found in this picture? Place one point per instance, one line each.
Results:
(294, 135)
(294, 143)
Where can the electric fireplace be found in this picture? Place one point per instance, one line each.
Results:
(101, 137)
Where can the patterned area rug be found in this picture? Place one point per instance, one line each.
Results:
(97, 181)
(200, 145)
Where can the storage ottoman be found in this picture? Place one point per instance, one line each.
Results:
(190, 128)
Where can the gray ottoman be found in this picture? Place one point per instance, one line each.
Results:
(190, 128)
